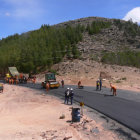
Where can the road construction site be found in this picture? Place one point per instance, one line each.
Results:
(31, 99)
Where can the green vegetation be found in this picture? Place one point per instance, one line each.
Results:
(53, 71)
(36, 50)
(94, 57)
(129, 28)
(97, 26)
(123, 78)
(33, 51)
(118, 81)
(40, 49)
(128, 58)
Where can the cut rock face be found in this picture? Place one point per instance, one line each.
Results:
(105, 75)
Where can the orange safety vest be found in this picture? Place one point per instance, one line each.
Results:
(113, 87)
(47, 86)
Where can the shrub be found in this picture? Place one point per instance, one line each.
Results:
(97, 26)
(123, 78)
(54, 71)
(128, 58)
(118, 81)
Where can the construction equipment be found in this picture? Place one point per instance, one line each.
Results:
(14, 75)
(50, 78)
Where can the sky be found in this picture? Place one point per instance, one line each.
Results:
(20, 16)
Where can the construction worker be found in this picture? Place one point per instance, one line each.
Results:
(113, 88)
(10, 81)
(62, 82)
(47, 86)
(6, 80)
(79, 84)
(16, 79)
(67, 93)
(7, 77)
(34, 80)
(97, 84)
(100, 82)
(71, 95)
(21, 78)
(25, 80)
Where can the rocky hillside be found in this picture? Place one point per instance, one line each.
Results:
(121, 35)
(89, 68)
(110, 41)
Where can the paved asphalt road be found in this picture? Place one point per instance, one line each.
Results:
(124, 108)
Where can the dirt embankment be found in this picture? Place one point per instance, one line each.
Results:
(89, 71)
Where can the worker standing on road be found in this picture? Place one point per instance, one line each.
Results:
(24, 79)
(62, 82)
(71, 95)
(97, 84)
(113, 88)
(47, 86)
(34, 80)
(16, 81)
(67, 94)
(10, 81)
(16, 78)
(21, 77)
(100, 82)
(7, 77)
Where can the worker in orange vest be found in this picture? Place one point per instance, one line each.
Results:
(7, 79)
(47, 86)
(10, 81)
(79, 84)
(113, 88)
(21, 76)
(16, 79)
(34, 80)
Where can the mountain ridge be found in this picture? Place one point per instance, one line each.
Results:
(96, 38)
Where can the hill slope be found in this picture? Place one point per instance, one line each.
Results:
(104, 40)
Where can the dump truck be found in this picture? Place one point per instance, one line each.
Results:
(50, 78)
(14, 74)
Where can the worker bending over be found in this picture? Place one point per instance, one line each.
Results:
(113, 88)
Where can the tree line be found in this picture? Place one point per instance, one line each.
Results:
(124, 58)
(36, 50)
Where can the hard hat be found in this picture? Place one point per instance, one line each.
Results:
(68, 88)
(71, 89)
